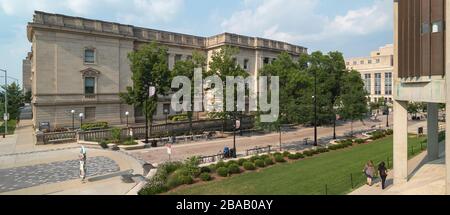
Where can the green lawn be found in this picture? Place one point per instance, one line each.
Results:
(11, 127)
(331, 171)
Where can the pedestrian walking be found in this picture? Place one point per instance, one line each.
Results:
(369, 171)
(383, 174)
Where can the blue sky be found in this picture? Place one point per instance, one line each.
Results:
(354, 27)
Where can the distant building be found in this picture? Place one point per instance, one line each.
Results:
(26, 73)
(376, 72)
(81, 64)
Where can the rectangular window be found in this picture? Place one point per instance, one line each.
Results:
(189, 57)
(245, 64)
(354, 63)
(369, 61)
(166, 109)
(388, 83)
(89, 56)
(368, 83)
(266, 60)
(178, 58)
(361, 62)
(89, 113)
(89, 85)
(377, 83)
(377, 60)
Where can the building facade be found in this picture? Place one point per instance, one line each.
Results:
(420, 75)
(376, 72)
(81, 64)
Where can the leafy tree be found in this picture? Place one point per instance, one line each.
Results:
(295, 91)
(15, 100)
(353, 99)
(149, 67)
(223, 64)
(186, 68)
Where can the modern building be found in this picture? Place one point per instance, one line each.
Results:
(421, 74)
(81, 64)
(376, 71)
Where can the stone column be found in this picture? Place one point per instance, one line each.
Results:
(433, 131)
(400, 142)
(447, 109)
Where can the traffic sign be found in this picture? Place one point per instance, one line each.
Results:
(238, 124)
(151, 91)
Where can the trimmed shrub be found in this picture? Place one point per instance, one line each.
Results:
(103, 144)
(360, 141)
(389, 132)
(279, 159)
(299, 155)
(263, 157)
(249, 166)
(293, 157)
(308, 153)
(254, 158)
(171, 167)
(286, 154)
(213, 167)
(377, 135)
(234, 169)
(222, 171)
(220, 164)
(260, 163)
(229, 163)
(241, 161)
(276, 154)
(205, 169)
(129, 142)
(205, 177)
(94, 126)
(268, 161)
(322, 150)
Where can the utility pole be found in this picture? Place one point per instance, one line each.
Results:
(5, 117)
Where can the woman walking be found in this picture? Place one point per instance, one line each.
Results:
(383, 174)
(83, 159)
(369, 171)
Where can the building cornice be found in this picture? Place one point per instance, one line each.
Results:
(58, 22)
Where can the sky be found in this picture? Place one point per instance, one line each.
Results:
(354, 27)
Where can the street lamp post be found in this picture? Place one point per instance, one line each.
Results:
(151, 92)
(281, 149)
(237, 125)
(387, 113)
(5, 116)
(81, 115)
(127, 114)
(73, 119)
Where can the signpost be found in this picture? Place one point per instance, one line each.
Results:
(169, 150)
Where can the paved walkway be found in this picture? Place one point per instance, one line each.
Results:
(292, 140)
(53, 169)
(426, 178)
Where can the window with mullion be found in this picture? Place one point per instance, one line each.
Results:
(89, 85)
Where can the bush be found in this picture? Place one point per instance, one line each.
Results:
(377, 135)
(308, 153)
(268, 161)
(360, 141)
(171, 167)
(103, 144)
(229, 163)
(279, 159)
(241, 161)
(286, 154)
(249, 166)
(205, 177)
(222, 171)
(157, 184)
(220, 164)
(276, 154)
(263, 157)
(94, 126)
(260, 163)
(322, 150)
(116, 134)
(213, 167)
(129, 142)
(254, 158)
(205, 169)
(299, 155)
(389, 132)
(234, 169)
(179, 178)
(293, 157)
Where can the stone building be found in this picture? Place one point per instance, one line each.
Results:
(81, 64)
(421, 63)
(376, 72)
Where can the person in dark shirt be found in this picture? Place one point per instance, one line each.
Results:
(383, 174)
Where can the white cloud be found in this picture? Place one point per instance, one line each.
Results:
(136, 11)
(298, 21)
